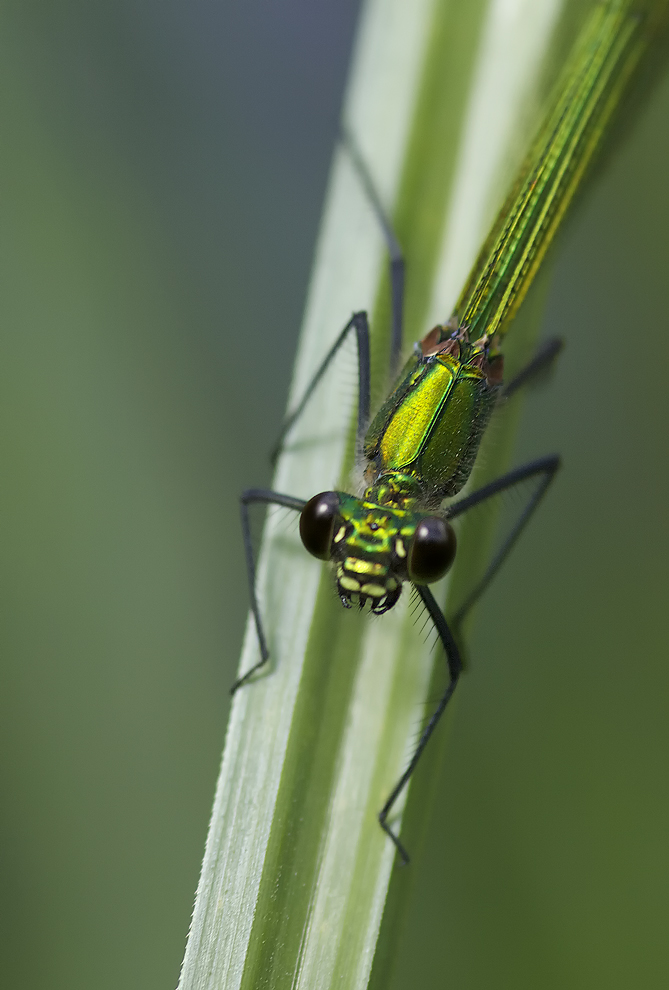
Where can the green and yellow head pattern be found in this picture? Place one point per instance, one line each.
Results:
(375, 548)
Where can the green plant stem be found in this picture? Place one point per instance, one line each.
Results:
(296, 870)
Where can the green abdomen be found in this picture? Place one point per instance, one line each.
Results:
(431, 425)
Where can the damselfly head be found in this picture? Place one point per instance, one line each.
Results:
(374, 548)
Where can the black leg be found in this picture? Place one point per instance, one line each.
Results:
(247, 498)
(359, 323)
(542, 360)
(544, 469)
(454, 669)
(397, 264)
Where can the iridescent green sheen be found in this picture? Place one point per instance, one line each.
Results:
(430, 426)
(421, 446)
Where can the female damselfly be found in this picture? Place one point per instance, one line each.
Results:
(421, 445)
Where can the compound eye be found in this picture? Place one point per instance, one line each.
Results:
(432, 550)
(317, 523)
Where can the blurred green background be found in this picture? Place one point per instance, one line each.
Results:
(162, 173)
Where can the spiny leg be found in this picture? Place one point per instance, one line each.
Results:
(544, 469)
(397, 263)
(359, 320)
(454, 669)
(360, 324)
(249, 497)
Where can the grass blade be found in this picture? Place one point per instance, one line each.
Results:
(296, 872)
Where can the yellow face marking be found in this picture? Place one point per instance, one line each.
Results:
(399, 548)
(373, 590)
(391, 584)
(362, 566)
(349, 583)
(340, 535)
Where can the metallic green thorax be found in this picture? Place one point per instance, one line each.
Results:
(420, 449)
(422, 443)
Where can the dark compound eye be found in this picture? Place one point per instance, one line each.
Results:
(317, 523)
(432, 550)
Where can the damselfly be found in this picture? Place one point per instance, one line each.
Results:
(421, 445)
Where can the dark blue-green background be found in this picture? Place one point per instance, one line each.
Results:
(161, 178)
